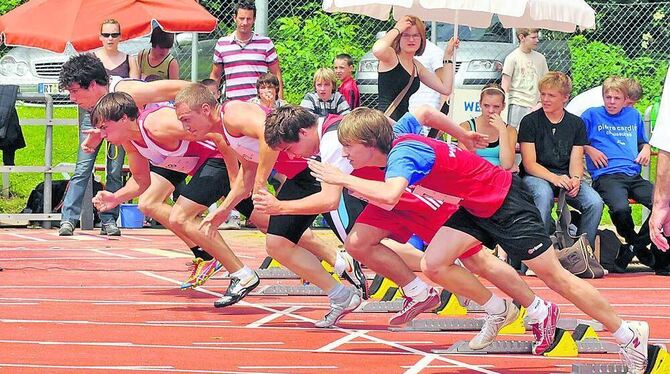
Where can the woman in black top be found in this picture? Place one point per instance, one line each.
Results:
(396, 51)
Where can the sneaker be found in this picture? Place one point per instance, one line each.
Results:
(339, 310)
(190, 281)
(66, 229)
(492, 325)
(412, 308)
(634, 354)
(623, 258)
(237, 291)
(205, 270)
(110, 229)
(354, 275)
(545, 331)
(644, 255)
(232, 223)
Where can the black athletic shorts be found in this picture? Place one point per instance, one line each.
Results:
(208, 184)
(292, 226)
(516, 226)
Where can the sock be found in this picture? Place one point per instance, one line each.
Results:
(338, 294)
(624, 334)
(341, 264)
(416, 289)
(199, 253)
(537, 310)
(245, 275)
(495, 305)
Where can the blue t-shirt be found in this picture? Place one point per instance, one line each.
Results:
(411, 160)
(618, 137)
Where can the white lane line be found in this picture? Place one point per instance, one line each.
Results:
(103, 252)
(19, 303)
(273, 317)
(15, 259)
(238, 343)
(421, 364)
(345, 339)
(136, 238)
(105, 302)
(345, 331)
(160, 369)
(186, 322)
(84, 287)
(28, 237)
(288, 367)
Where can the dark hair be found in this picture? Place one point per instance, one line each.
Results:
(283, 124)
(83, 69)
(267, 79)
(346, 57)
(160, 38)
(208, 82)
(245, 4)
(112, 107)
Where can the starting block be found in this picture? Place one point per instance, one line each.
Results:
(270, 262)
(295, 290)
(461, 324)
(383, 289)
(391, 306)
(659, 363)
(450, 305)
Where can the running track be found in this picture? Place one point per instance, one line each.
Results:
(87, 304)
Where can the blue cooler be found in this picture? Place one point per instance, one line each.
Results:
(131, 217)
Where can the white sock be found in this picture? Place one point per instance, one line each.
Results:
(495, 305)
(245, 274)
(340, 264)
(537, 310)
(416, 289)
(624, 334)
(338, 294)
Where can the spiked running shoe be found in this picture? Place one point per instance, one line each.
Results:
(545, 331)
(190, 281)
(634, 354)
(339, 310)
(493, 323)
(354, 275)
(206, 270)
(237, 291)
(412, 308)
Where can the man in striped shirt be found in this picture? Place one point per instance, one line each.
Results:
(243, 56)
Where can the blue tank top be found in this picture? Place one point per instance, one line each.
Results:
(492, 152)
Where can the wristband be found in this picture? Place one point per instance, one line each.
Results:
(447, 62)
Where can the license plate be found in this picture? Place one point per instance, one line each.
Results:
(50, 88)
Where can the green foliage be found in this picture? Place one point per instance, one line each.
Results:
(593, 61)
(7, 5)
(306, 44)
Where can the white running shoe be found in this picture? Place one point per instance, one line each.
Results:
(339, 310)
(493, 323)
(634, 354)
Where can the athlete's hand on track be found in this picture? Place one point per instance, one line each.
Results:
(265, 202)
(104, 201)
(92, 141)
(326, 173)
(210, 225)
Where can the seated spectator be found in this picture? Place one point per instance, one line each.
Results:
(502, 137)
(267, 88)
(618, 147)
(212, 87)
(326, 100)
(552, 153)
(593, 97)
(157, 63)
(344, 69)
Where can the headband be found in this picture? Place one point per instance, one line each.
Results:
(494, 89)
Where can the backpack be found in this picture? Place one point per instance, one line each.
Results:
(35, 202)
(607, 246)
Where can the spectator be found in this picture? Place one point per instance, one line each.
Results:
(521, 71)
(212, 87)
(593, 97)
(552, 152)
(431, 59)
(502, 137)
(398, 66)
(267, 88)
(116, 62)
(325, 100)
(617, 147)
(243, 56)
(157, 63)
(344, 69)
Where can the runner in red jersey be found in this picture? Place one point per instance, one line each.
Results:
(507, 218)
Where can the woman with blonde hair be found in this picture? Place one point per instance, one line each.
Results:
(400, 73)
(116, 62)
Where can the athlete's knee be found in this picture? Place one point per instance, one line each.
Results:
(431, 268)
(148, 208)
(277, 246)
(357, 247)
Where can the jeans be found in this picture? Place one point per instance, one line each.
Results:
(587, 201)
(83, 171)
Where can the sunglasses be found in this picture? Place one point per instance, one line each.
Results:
(110, 34)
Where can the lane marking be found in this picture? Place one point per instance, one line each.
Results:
(162, 252)
(161, 369)
(28, 237)
(136, 238)
(288, 367)
(273, 317)
(421, 364)
(103, 252)
(238, 343)
(345, 339)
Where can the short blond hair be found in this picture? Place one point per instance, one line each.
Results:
(110, 21)
(634, 89)
(366, 126)
(194, 96)
(525, 32)
(616, 83)
(325, 74)
(556, 80)
(421, 27)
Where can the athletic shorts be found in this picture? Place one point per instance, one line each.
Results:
(516, 226)
(292, 226)
(208, 184)
(515, 113)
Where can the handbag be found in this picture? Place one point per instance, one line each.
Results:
(401, 95)
(574, 253)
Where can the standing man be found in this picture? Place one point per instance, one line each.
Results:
(522, 69)
(243, 56)
(659, 223)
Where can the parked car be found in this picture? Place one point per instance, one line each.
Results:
(36, 71)
(479, 61)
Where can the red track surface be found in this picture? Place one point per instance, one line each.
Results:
(90, 305)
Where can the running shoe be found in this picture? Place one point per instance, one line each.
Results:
(412, 308)
(354, 274)
(634, 354)
(206, 270)
(339, 310)
(110, 229)
(545, 330)
(237, 291)
(493, 323)
(66, 229)
(190, 281)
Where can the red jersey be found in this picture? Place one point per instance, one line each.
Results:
(349, 90)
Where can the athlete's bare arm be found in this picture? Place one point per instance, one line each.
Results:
(321, 202)
(151, 92)
(136, 185)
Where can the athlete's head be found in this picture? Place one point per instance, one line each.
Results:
(85, 78)
(292, 129)
(196, 107)
(113, 114)
(361, 133)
